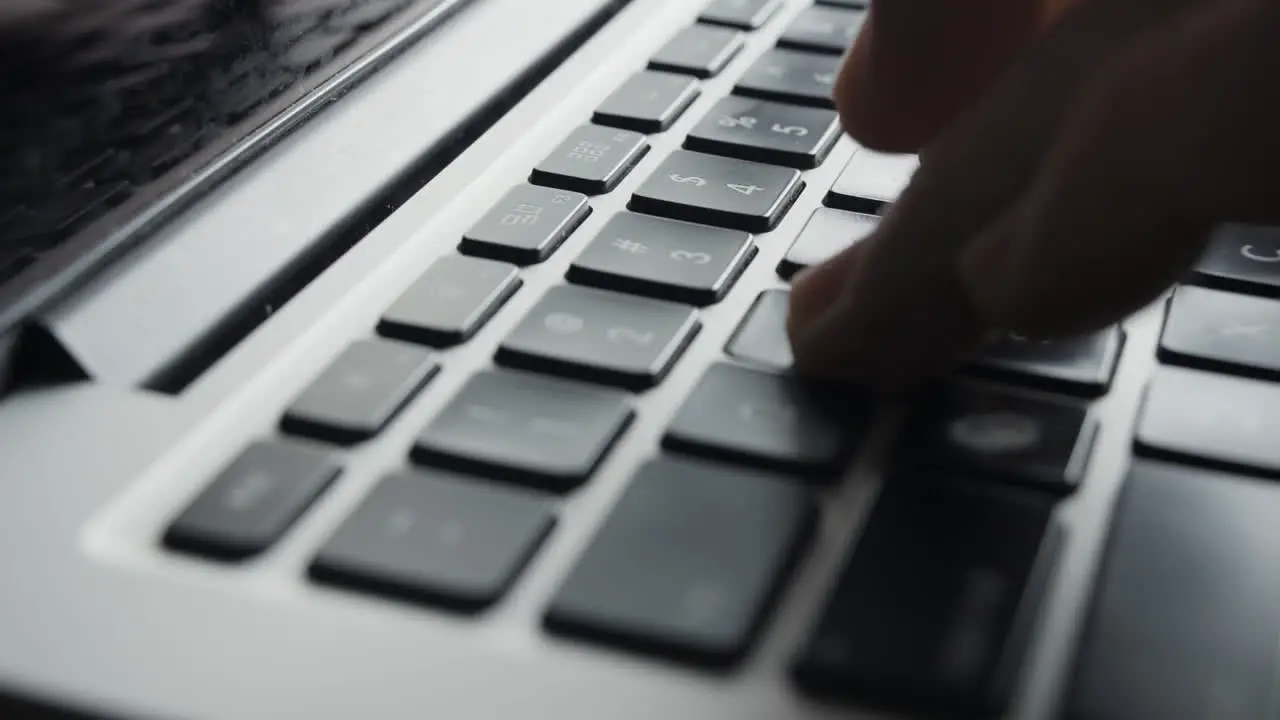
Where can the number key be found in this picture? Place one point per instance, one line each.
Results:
(527, 225)
(744, 14)
(791, 76)
(666, 259)
(767, 132)
(592, 160)
(823, 29)
(601, 336)
(1243, 258)
(719, 191)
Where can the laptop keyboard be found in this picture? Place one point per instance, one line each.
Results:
(175, 90)
(932, 605)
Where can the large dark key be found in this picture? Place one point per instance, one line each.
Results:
(1222, 331)
(761, 338)
(1243, 258)
(792, 76)
(828, 233)
(437, 538)
(648, 102)
(930, 612)
(592, 160)
(719, 191)
(767, 132)
(702, 51)
(527, 225)
(823, 29)
(984, 432)
(1084, 365)
(253, 501)
(872, 180)
(767, 420)
(1213, 420)
(601, 336)
(856, 4)
(526, 429)
(665, 259)
(361, 391)
(1186, 610)
(744, 14)
(688, 564)
(451, 301)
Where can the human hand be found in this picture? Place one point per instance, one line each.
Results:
(1074, 156)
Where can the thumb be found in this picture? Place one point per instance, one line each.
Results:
(918, 63)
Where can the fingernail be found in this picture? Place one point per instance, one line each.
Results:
(988, 269)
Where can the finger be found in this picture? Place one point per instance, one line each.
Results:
(916, 63)
(1180, 134)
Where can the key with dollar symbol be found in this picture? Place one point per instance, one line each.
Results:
(719, 191)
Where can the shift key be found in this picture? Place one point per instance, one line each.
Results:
(929, 613)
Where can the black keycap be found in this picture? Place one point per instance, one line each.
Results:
(451, 301)
(767, 132)
(828, 233)
(526, 429)
(527, 225)
(719, 191)
(648, 102)
(823, 29)
(1213, 420)
(361, 391)
(593, 160)
(1084, 365)
(1244, 258)
(856, 4)
(762, 337)
(744, 14)
(253, 501)
(437, 538)
(601, 336)
(665, 259)
(1184, 619)
(688, 564)
(872, 180)
(702, 51)
(990, 433)
(930, 612)
(792, 76)
(1222, 331)
(768, 420)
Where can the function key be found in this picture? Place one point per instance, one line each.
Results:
(703, 51)
(926, 614)
(767, 132)
(823, 29)
(762, 339)
(1223, 331)
(526, 429)
(601, 336)
(648, 102)
(451, 301)
(744, 14)
(1213, 420)
(1244, 258)
(665, 259)
(592, 160)
(527, 225)
(767, 420)
(828, 233)
(872, 180)
(688, 564)
(791, 76)
(437, 538)
(989, 433)
(1083, 365)
(253, 501)
(361, 391)
(1183, 620)
(712, 190)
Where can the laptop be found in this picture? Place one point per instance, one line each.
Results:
(426, 359)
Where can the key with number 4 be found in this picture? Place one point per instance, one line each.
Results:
(719, 191)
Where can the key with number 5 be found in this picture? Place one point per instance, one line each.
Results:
(719, 191)
(768, 132)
